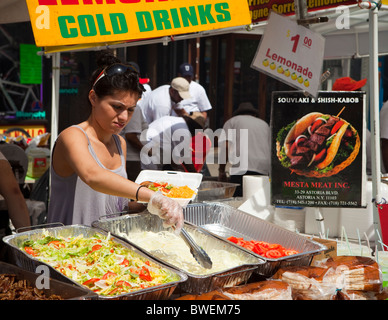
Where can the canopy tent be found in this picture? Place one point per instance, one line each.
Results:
(12, 11)
(350, 42)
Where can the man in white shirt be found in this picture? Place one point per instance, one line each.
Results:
(246, 145)
(199, 101)
(160, 101)
(169, 143)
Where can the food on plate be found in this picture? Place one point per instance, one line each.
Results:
(171, 248)
(263, 248)
(317, 145)
(170, 190)
(12, 287)
(99, 263)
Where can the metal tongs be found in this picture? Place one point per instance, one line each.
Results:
(198, 253)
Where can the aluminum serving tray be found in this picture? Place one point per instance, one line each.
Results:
(196, 284)
(212, 190)
(225, 221)
(62, 289)
(27, 262)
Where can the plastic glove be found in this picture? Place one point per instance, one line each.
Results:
(167, 209)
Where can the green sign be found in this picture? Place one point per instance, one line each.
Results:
(30, 64)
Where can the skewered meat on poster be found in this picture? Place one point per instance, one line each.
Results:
(318, 149)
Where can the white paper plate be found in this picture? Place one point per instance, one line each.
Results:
(177, 178)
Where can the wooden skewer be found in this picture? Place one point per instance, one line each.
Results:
(341, 111)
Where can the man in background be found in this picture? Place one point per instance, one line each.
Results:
(254, 152)
(199, 101)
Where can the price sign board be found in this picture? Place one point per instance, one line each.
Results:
(291, 53)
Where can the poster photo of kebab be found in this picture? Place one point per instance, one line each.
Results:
(318, 149)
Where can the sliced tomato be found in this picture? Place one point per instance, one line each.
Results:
(57, 244)
(320, 156)
(114, 291)
(30, 251)
(259, 249)
(123, 283)
(337, 126)
(316, 125)
(348, 133)
(125, 263)
(91, 281)
(96, 247)
(233, 239)
(145, 274)
(273, 254)
(290, 252)
(108, 275)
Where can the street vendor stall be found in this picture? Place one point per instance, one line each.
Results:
(253, 259)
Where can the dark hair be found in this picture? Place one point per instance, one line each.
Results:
(127, 81)
(192, 125)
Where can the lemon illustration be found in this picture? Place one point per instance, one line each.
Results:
(293, 76)
(300, 79)
(306, 83)
(280, 69)
(287, 73)
(272, 66)
(265, 62)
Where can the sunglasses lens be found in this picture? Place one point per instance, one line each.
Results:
(116, 69)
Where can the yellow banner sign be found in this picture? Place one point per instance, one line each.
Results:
(70, 22)
(32, 130)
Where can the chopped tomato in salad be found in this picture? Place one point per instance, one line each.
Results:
(99, 263)
(172, 191)
(263, 248)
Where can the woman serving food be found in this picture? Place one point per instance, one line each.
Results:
(88, 176)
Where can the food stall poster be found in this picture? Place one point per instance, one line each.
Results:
(318, 149)
(70, 22)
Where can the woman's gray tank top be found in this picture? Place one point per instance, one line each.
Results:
(73, 202)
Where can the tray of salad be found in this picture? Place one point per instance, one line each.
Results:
(180, 186)
(95, 260)
(231, 265)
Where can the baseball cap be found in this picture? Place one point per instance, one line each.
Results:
(182, 86)
(186, 69)
(246, 108)
(348, 84)
(135, 66)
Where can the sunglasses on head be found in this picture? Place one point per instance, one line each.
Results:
(114, 69)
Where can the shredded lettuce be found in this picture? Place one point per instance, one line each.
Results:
(99, 263)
